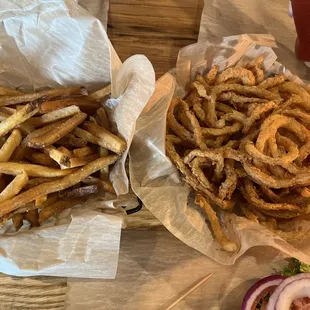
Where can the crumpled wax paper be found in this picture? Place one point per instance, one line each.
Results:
(158, 183)
(54, 44)
(99, 9)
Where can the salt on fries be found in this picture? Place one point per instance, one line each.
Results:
(47, 162)
(241, 140)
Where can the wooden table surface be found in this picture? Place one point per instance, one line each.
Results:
(157, 29)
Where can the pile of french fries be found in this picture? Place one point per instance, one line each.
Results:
(56, 150)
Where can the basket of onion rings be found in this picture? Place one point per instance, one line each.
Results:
(239, 136)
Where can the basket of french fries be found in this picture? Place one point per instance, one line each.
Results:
(67, 118)
(236, 138)
(58, 148)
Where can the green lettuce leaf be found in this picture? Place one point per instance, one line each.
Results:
(294, 267)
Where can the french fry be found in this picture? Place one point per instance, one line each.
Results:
(22, 149)
(108, 140)
(36, 181)
(104, 185)
(39, 132)
(9, 100)
(18, 117)
(32, 170)
(84, 104)
(10, 145)
(61, 158)
(101, 93)
(17, 220)
(56, 208)
(54, 116)
(14, 187)
(84, 151)
(24, 127)
(104, 172)
(78, 161)
(58, 133)
(40, 200)
(85, 135)
(65, 151)
(7, 110)
(58, 185)
(81, 191)
(6, 91)
(92, 119)
(32, 216)
(70, 140)
(52, 188)
(20, 153)
(40, 159)
(103, 119)
(52, 198)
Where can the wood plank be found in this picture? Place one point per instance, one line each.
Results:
(44, 293)
(157, 29)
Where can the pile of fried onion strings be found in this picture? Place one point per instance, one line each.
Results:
(241, 140)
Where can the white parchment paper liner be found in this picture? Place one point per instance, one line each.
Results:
(157, 182)
(53, 44)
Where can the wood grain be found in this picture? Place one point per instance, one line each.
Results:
(32, 293)
(157, 29)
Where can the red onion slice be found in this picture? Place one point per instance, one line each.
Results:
(276, 294)
(294, 290)
(254, 292)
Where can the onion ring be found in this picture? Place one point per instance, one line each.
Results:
(245, 75)
(255, 112)
(252, 197)
(293, 88)
(272, 81)
(211, 75)
(196, 137)
(276, 121)
(256, 67)
(229, 185)
(195, 165)
(245, 90)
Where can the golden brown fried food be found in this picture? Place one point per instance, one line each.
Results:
(18, 117)
(255, 145)
(59, 132)
(245, 75)
(14, 187)
(9, 100)
(56, 208)
(70, 140)
(108, 140)
(211, 75)
(220, 236)
(32, 170)
(85, 105)
(58, 185)
(17, 220)
(10, 145)
(32, 216)
(53, 116)
(42, 120)
(101, 93)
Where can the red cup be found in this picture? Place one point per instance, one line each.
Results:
(301, 13)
